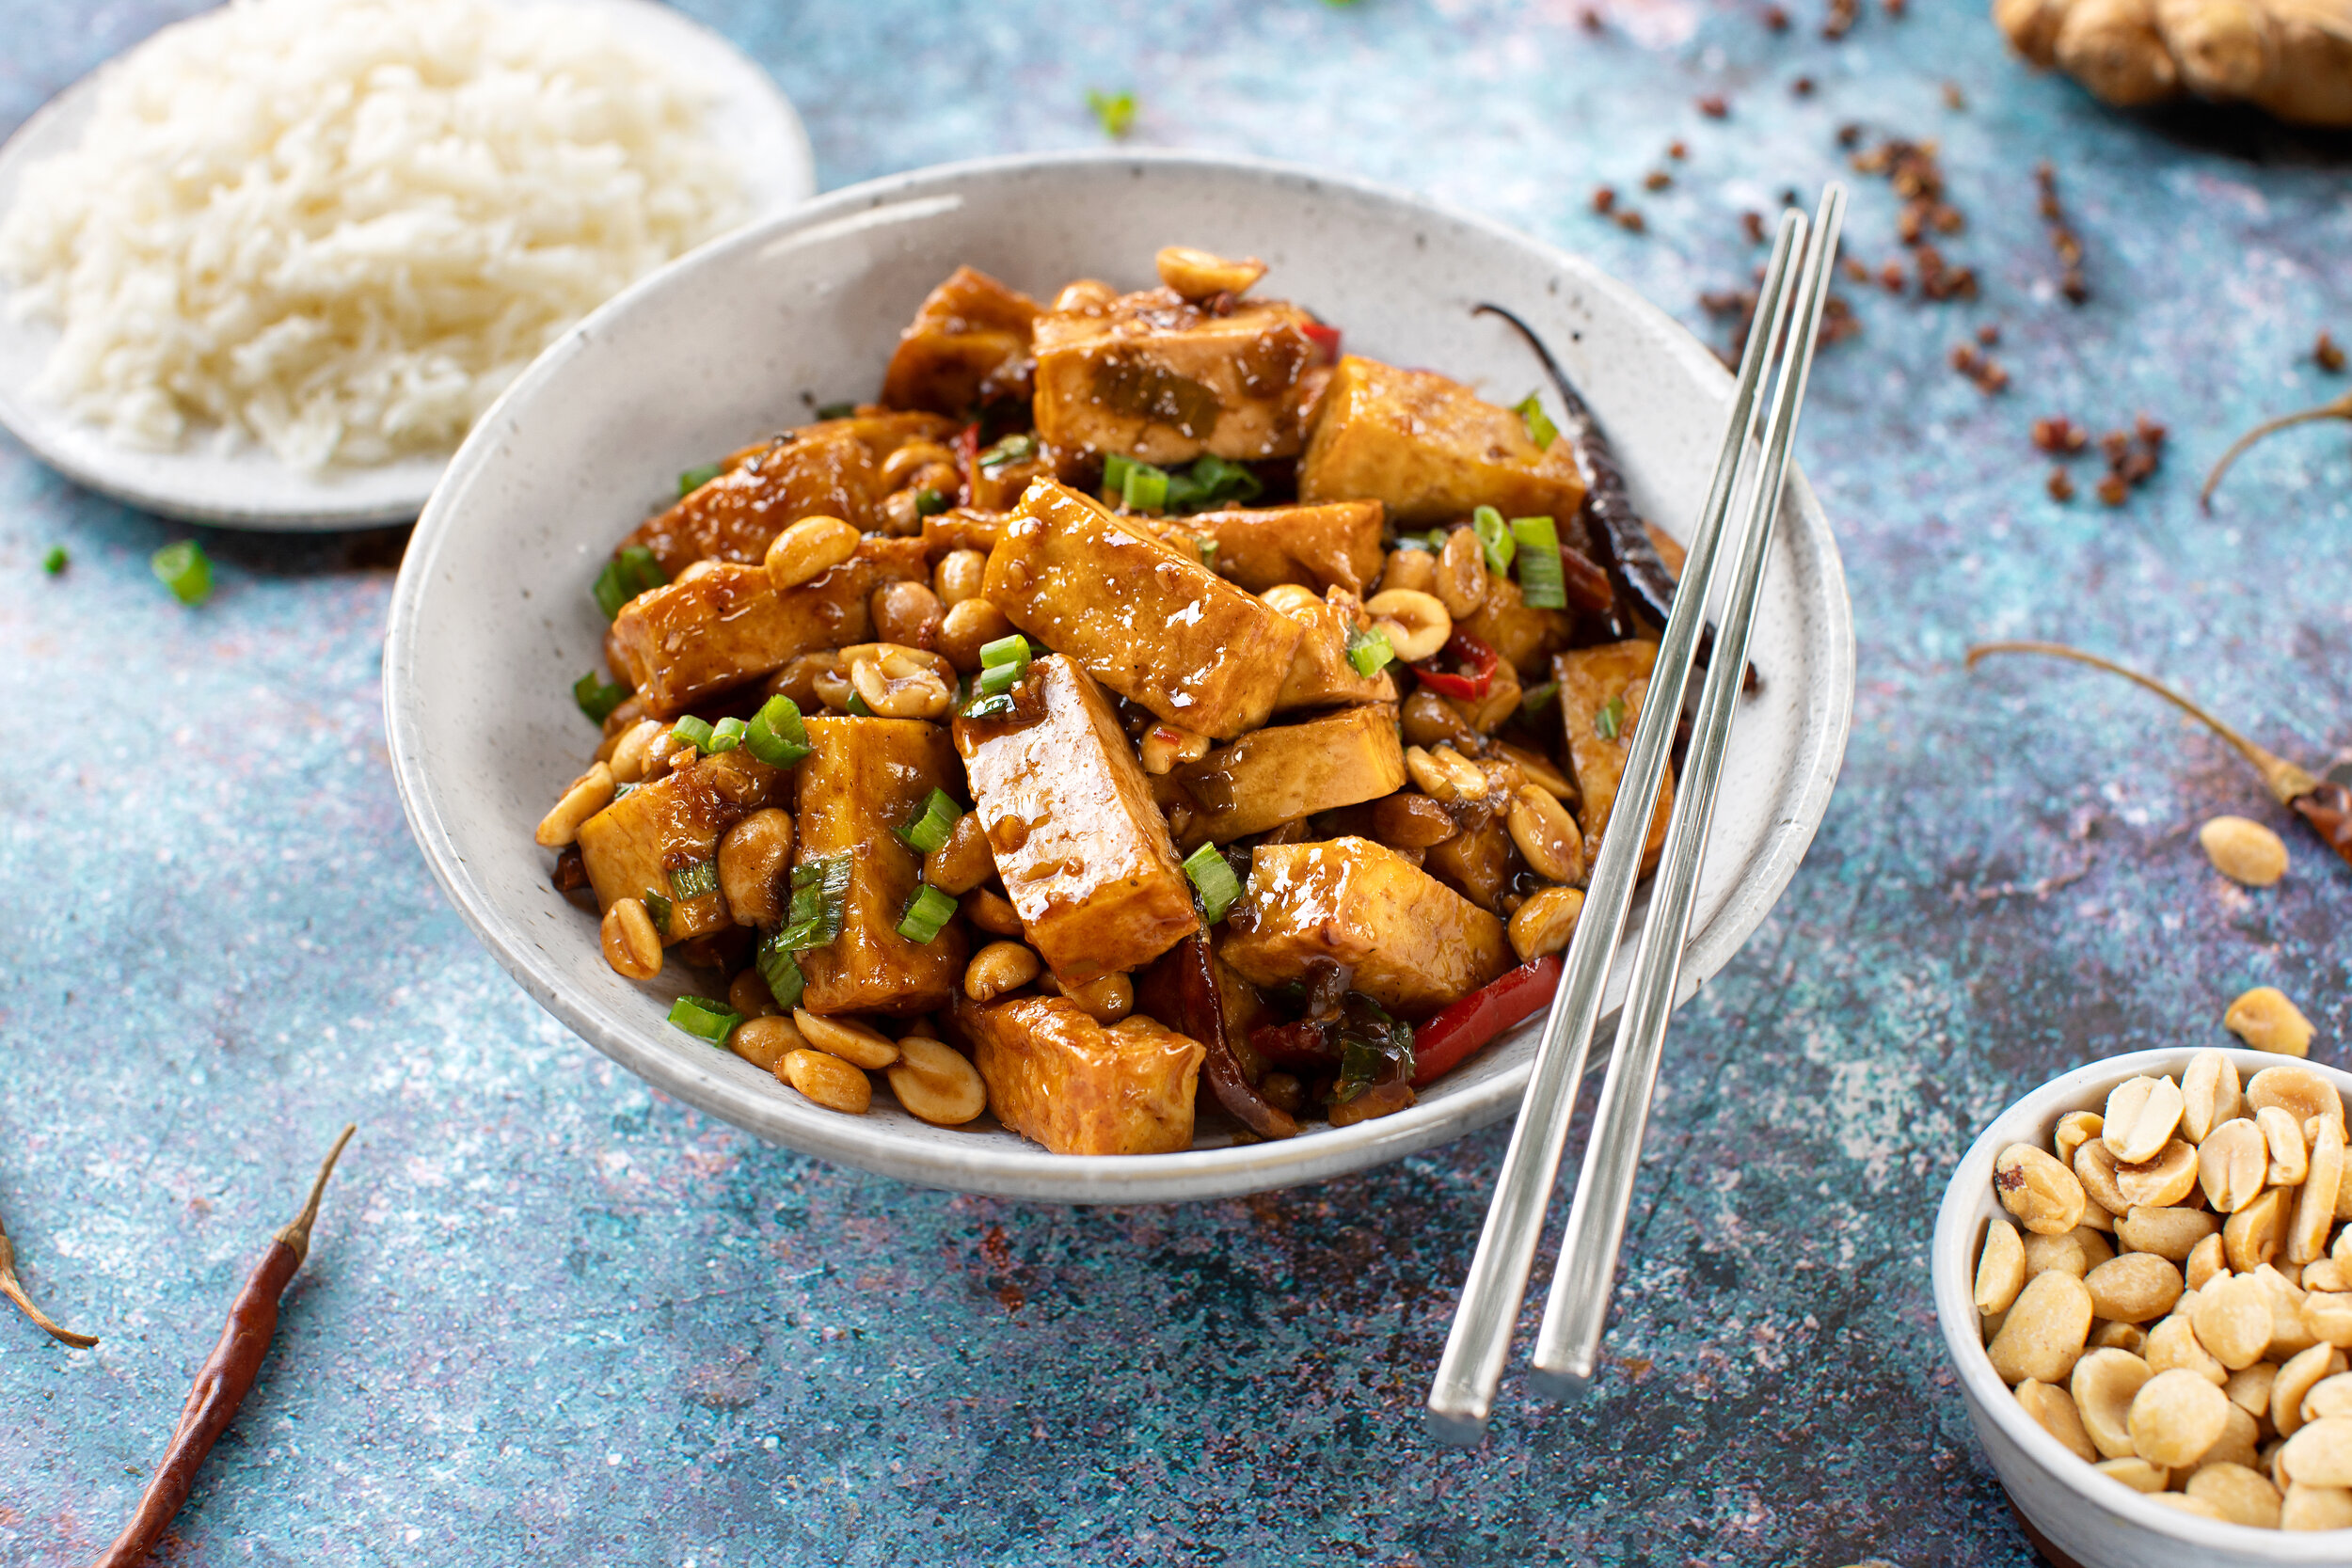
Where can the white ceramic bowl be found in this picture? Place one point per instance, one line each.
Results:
(492, 622)
(2098, 1522)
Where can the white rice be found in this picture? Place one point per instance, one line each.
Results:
(341, 227)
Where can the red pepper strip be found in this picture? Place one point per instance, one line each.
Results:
(1456, 1035)
(1305, 1044)
(1326, 342)
(968, 459)
(1478, 664)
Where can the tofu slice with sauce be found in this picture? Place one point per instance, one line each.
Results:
(1601, 691)
(1430, 450)
(1321, 673)
(1059, 1078)
(819, 472)
(723, 624)
(1414, 944)
(864, 778)
(1333, 545)
(968, 344)
(1084, 852)
(1286, 772)
(674, 824)
(1155, 627)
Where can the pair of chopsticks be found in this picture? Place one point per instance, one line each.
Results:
(1787, 316)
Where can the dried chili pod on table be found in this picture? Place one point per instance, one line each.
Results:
(2339, 409)
(14, 1289)
(221, 1382)
(2323, 802)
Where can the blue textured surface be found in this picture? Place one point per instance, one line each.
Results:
(553, 1318)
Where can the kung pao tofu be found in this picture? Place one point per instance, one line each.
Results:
(1140, 695)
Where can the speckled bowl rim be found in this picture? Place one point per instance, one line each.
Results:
(1968, 1201)
(1029, 1171)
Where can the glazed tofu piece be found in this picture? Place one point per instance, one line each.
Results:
(865, 778)
(1337, 546)
(1059, 1078)
(1286, 772)
(1155, 626)
(1601, 697)
(1415, 946)
(1321, 673)
(825, 471)
(1083, 850)
(1430, 450)
(724, 623)
(1164, 380)
(673, 825)
(967, 345)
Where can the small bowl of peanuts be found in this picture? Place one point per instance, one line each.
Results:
(2144, 1278)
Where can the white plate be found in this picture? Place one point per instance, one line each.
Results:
(249, 488)
(492, 622)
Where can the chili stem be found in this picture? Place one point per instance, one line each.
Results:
(10, 1288)
(297, 1234)
(2339, 409)
(2286, 781)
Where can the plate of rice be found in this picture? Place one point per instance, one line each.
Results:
(268, 268)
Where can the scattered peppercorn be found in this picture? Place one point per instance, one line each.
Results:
(1891, 277)
(2059, 435)
(1982, 369)
(1751, 225)
(2329, 357)
(1954, 99)
(1776, 18)
(1895, 7)
(1843, 14)
(1678, 149)
(1630, 221)
(1715, 107)
(1657, 180)
(1604, 199)
(1855, 269)
(1801, 87)
(2060, 484)
(1590, 19)
(2113, 491)
(1989, 334)
(2063, 240)
(1850, 136)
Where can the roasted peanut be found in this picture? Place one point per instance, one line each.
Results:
(2061, 1252)
(1416, 569)
(1461, 577)
(2094, 1167)
(1166, 747)
(2283, 1140)
(2319, 1454)
(998, 968)
(755, 867)
(2240, 1434)
(935, 1083)
(2104, 1384)
(2207, 1261)
(2325, 1273)
(2180, 1502)
(964, 861)
(2175, 1417)
(766, 1040)
(2136, 1473)
(2315, 1508)
(2249, 1387)
(2297, 1088)
(2233, 1320)
(2237, 1492)
(2328, 1397)
(2287, 1334)
(638, 751)
(1546, 922)
(1429, 720)
(907, 614)
(2052, 1409)
(807, 550)
(2266, 1020)
(1415, 624)
(909, 460)
(582, 799)
(2137, 1287)
(1547, 835)
(749, 995)
(2130, 1336)
(2246, 852)
(1445, 774)
(989, 910)
(1409, 821)
(2255, 1233)
(2209, 1093)
(2322, 1190)
(1086, 296)
(970, 626)
(958, 577)
(2045, 1195)
(1107, 998)
(2173, 1233)
(631, 945)
(2143, 1114)
(827, 1080)
(2000, 1267)
(2291, 1388)
(2232, 1165)
(1540, 770)
(2042, 1336)
(2328, 1318)
(859, 1044)
(900, 681)
(1199, 275)
(2173, 1347)
(2162, 1181)
(2074, 1128)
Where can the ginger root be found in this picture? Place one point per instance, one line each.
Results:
(2291, 57)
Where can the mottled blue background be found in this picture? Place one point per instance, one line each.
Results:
(554, 1317)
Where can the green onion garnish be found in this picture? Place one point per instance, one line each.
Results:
(658, 908)
(1609, 721)
(1368, 651)
(691, 731)
(698, 880)
(183, 568)
(927, 914)
(1212, 879)
(1540, 429)
(858, 708)
(989, 707)
(598, 698)
(1012, 448)
(1211, 482)
(1494, 537)
(777, 966)
(836, 410)
(1541, 586)
(704, 1019)
(632, 572)
(1114, 112)
(1143, 488)
(930, 826)
(820, 889)
(54, 561)
(1208, 552)
(1002, 663)
(694, 479)
(929, 503)
(1536, 699)
(775, 734)
(727, 735)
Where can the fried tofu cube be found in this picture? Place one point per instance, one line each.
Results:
(1322, 675)
(1336, 545)
(1428, 448)
(723, 624)
(1158, 378)
(1154, 626)
(1600, 698)
(1287, 772)
(967, 345)
(1083, 850)
(823, 471)
(674, 824)
(1059, 1078)
(1415, 946)
(865, 778)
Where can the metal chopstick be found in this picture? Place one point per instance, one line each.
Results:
(1463, 1393)
(1567, 1347)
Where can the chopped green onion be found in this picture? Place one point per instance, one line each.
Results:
(54, 561)
(1540, 429)
(1212, 879)
(1536, 699)
(1002, 663)
(1430, 541)
(183, 568)
(1541, 586)
(775, 734)
(836, 410)
(1211, 480)
(777, 966)
(1144, 488)
(1115, 469)
(930, 826)
(820, 889)
(1368, 651)
(596, 698)
(928, 914)
(704, 1019)
(725, 736)
(858, 708)
(1208, 547)
(1609, 721)
(1494, 537)
(658, 908)
(929, 503)
(1012, 448)
(989, 707)
(1114, 112)
(632, 572)
(691, 731)
(698, 880)
(694, 479)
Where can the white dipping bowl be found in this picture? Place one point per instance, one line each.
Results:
(491, 621)
(2094, 1521)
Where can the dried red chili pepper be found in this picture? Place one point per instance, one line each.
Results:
(222, 1381)
(1326, 342)
(1475, 662)
(1180, 985)
(1449, 1039)
(2323, 802)
(2339, 409)
(10, 1288)
(968, 460)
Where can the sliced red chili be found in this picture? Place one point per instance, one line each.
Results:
(967, 459)
(1456, 1035)
(1304, 1044)
(1475, 664)
(1326, 342)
